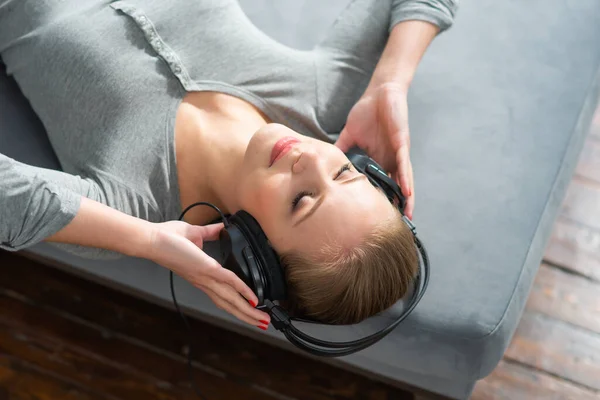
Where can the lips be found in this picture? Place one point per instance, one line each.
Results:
(282, 146)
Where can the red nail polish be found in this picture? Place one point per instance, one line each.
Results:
(253, 304)
(264, 328)
(262, 321)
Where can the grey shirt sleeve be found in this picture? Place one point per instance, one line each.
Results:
(438, 12)
(35, 202)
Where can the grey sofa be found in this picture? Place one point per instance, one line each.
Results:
(498, 112)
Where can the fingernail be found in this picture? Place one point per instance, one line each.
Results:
(253, 304)
(262, 321)
(264, 328)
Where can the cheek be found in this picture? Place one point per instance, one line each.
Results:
(270, 195)
(263, 195)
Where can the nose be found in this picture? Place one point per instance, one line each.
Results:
(309, 161)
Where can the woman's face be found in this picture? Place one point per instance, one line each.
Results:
(310, 195)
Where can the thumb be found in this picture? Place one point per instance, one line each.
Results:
(198, 234)
(344, 141)
(211, 232)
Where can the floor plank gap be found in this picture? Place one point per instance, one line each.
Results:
(586, 180)
(570, 271)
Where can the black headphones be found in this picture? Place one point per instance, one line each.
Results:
(246, 251)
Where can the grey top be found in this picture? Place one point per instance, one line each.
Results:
(106, 79)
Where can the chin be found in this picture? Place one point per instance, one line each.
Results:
(258, 151)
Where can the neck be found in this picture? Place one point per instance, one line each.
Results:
(212, 134)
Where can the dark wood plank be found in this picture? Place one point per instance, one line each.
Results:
(560, 348)
(589, 162)
(241, 358)
(576, 247)
(20, 381)
(567, 297)
(511, 381)
(101, 360)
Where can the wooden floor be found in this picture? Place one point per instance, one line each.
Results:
(65, 338)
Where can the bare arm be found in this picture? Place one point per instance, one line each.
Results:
(404, 50)
(97, 225)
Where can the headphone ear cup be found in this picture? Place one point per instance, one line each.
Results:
(267, 257)
(239, 258)
(377, 176)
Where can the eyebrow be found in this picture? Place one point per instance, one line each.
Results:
(322, 198)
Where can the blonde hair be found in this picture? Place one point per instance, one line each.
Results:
(346, 286)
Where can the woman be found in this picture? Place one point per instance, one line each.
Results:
(153, 105)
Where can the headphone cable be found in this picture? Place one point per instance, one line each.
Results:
(181, 314)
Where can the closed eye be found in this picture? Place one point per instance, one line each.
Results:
(345, 167)
(298, 198)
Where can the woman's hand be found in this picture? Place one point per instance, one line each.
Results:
(177, 245)
(378, 123)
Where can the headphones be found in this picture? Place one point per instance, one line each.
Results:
(246, 251)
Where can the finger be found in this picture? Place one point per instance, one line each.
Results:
(412, 189)
(211, 232)
(396, 123)
(410, 206)
(231, 309)
(198, 234)
(232, 296)
(410, 201)
(224, 275)
(403, 161)
(344, 142)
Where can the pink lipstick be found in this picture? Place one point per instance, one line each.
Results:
(282, 146)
